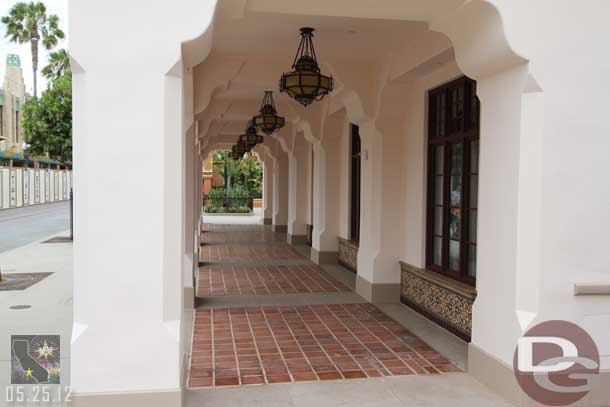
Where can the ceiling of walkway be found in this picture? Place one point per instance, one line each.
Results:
(250, 50)
(277, 35)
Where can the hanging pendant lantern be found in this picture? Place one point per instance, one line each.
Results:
(236, 155)
(268, 120)
(250, 137)
(305, 83)
(240, 149)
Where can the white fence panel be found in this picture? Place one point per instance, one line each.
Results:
(12, 186)
(4, 188)
(37, 192)
(26, 187)
(47, 186)
(23, 187)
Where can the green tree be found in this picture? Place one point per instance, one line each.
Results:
(29, 22)
(246, 172)
(58, 66)
(47, 122)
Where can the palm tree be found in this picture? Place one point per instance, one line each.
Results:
(58, 66)
(29, 22)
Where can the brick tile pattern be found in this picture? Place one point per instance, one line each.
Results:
(248, 346)
(250, 252)
(246, 236)
(234, 280)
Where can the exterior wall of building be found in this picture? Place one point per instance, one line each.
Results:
(12, 98)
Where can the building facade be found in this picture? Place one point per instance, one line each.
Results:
(12, 98)
(458, 166)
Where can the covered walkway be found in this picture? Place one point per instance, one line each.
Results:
(444, 169)
(266, 314)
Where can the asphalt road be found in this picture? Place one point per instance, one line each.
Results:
(20, 226)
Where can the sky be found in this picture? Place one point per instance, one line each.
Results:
(59, 7)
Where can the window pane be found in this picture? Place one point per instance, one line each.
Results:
(472, 226)
(439, 162)
(438, 220)
(456, 158)
(438, 249)
(438, 190)
(457, 102)
(455, 223)
(474, 191)
(456, 190)
(472, 261)
(474, 105)
(440, 113)
(454, 255)
(456, 96)
(474, 156)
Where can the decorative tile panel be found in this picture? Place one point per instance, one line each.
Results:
(441, 299)
(348, 254)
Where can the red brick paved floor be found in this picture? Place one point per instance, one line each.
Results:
(243, 346)
(235, 280)
(248, 252)
(246, 236)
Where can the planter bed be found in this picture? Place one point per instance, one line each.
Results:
(228, 214)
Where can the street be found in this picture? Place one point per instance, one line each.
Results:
(21, 226)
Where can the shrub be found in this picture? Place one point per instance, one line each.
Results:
(216, 193)
(239, 195)
(237, 203)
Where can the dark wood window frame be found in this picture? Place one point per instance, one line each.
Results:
(453, 142)
(355, 180)
(311, 185)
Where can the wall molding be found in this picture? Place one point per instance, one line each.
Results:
(592, 288)
(151, 398)
(380, 293)
(296, 240)
(319, 257)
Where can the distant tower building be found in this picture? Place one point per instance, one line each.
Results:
(12, 98)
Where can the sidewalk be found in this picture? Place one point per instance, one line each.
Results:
(24, 225)
(255, 219)
(50, 300)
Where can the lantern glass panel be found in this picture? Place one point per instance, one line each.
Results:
(309, 79)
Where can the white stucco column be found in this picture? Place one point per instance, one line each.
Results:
(298, 168)
(280, 189)
(326, 190)
(309, 186)
(129, 217)
(267, 188)
(128, 278)
(382, 211)
(191, 218)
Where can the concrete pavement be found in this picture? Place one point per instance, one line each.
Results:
(20, 226)
(50, 302)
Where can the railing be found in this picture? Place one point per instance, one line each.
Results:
(227, 205)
